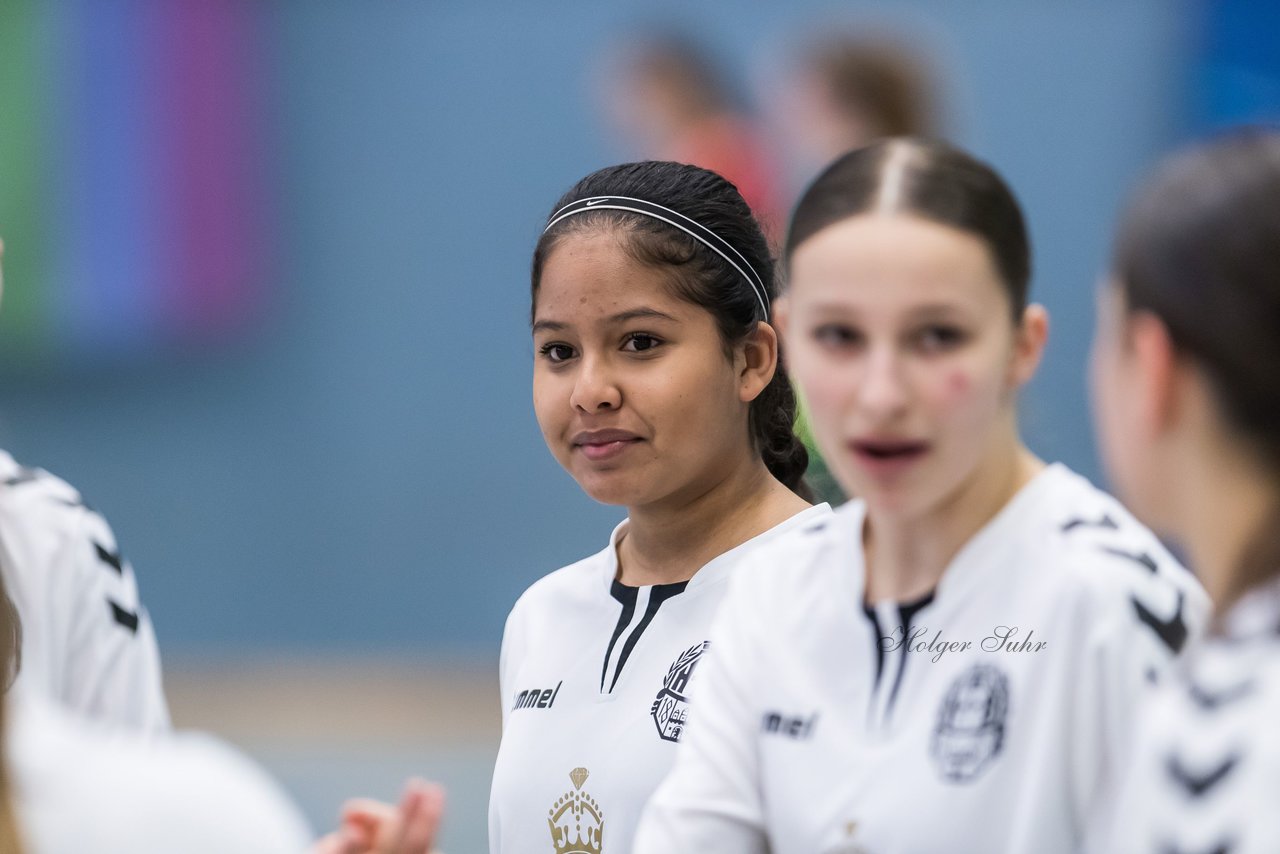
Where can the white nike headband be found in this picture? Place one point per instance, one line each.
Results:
(691, 227)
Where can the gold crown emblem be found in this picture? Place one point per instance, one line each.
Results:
(576, 812)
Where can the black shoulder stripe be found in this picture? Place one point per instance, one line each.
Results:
(126, 618)
(1141, 558)
(1172, 631)
(74, 502)
(110, 558)
(1105, 522)
(1211, 702)
(24, 475)
(1221, 848)
(1197, 785)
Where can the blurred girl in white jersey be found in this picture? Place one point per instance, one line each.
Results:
(953, 661)
(87, 642)
(657, 387)
(70, 785)
(1187, 387)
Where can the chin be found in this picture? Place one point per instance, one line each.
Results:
(903, 498)
(613, 488)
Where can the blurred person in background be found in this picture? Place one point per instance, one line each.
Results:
(87, 761)
(669, 100)
(842, 92)
(1186, 382)
(658, 387)
(69, 785)
(87, 642)
(971, 638)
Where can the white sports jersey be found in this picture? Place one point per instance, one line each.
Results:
(594, 677)
(983, 718)
(86, 640)
(1206, 772)
(80, 788)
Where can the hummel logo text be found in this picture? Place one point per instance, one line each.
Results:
(537, 698)
(792, 727)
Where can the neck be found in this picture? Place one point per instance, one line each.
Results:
(907, 556)
(669, 541)
(1223, 504)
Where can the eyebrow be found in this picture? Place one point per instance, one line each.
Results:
(938, 310)
(620, 317)
(928, 309)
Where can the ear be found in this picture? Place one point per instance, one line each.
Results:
(1029, 341)
(1160, 372)
(756, 361)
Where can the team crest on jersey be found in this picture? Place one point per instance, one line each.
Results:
(671, 708)
(971, 724)
(577, 824)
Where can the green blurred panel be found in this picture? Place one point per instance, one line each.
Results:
(23, 210)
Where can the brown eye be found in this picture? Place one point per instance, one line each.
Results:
(837, 336)
(939, 337)
(556, 353)
(640, 342)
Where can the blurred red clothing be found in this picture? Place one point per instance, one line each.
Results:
(729, 146)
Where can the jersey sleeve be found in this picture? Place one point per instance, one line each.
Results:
(512, 642)
(710, 802)
(113, 666)
(1147, 610)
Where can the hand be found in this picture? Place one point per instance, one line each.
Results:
(373, 827)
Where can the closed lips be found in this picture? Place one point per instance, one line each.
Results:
(604, 437)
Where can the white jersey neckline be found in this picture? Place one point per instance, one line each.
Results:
(973, 560)
(718, 567)
(1254, 614)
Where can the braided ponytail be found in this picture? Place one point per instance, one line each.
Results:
(773, 418)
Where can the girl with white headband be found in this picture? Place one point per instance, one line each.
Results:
(657, 386)
(953, 661)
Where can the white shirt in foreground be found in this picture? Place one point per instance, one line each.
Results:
(82, 788)
(594, 680)
(1206, 773)
(993, 728)
(87, 642)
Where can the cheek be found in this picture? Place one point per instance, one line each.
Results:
(1114, 418)
(688, 396)
(824, 390)
(965, 394)
(1104, 391)
(549, 404)
(958, 384)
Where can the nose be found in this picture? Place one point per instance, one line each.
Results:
(594, 388)
(883, 394)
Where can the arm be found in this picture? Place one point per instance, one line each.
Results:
(113, 666)
(1143, 626)
(711, 801)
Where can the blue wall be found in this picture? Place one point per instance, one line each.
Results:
(363, 470)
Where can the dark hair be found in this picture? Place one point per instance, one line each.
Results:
(1200, 249)
(697, 274)
(878, 81)
(936, 182)
(679, 63)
